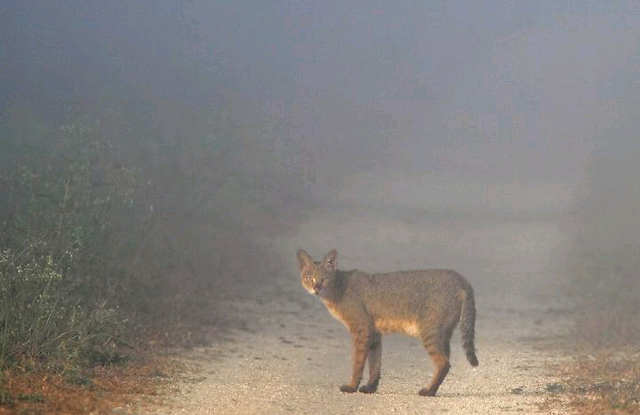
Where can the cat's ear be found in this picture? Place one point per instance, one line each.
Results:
(329, 261)
(304, 259)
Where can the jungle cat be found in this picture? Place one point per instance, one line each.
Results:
(426, 304)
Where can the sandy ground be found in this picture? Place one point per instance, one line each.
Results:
(291, 357)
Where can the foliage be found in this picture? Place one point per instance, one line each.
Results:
(56, 244)
(604, 384)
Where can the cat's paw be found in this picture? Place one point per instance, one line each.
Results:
(348, 388)
(368, 388)
(426, 392)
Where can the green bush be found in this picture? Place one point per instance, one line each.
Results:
(42, 324)
(57, 245)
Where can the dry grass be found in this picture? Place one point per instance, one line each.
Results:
(101, 389)
(604, 384)
(604, 378)
(96, 392)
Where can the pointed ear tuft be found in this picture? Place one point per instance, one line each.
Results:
(329, 261)
(304, 259)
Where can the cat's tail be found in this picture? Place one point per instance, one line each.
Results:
(467, 324)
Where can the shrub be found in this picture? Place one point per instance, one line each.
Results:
(57, 244)
(42, 324)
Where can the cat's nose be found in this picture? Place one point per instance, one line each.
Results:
(317, 288)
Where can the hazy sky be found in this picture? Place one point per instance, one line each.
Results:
(492, 105)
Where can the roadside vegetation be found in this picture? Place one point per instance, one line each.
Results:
(606, 383)
(604, 377)
(61, 325)
(604, 284)
(97, 245)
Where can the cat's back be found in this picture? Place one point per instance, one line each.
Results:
(423, 280)
(407, 291)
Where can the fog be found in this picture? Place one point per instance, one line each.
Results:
(497, 138)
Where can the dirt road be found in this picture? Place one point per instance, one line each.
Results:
(292, 356)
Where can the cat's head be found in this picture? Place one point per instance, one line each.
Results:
(314, 275)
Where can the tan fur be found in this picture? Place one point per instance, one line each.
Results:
(335, 312)
(426, 304)
(396, 325)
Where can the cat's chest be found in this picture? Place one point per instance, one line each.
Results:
(336, 312)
